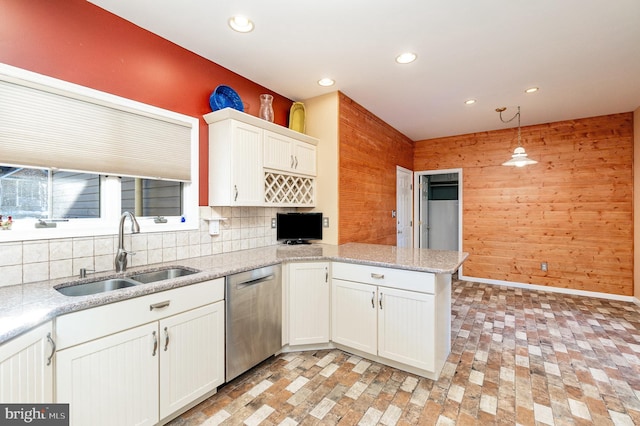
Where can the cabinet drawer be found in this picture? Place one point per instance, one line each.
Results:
(423, 282)
(82, 326)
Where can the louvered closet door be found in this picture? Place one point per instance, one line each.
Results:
(112, 380)
(191, 356)
(406, 327)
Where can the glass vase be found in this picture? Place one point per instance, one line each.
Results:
(266, 107)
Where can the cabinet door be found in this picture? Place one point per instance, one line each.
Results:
(278, 151)
(308, 303)
(305, 158)
(246, 168)
(354, 315)
(112, 380)
(191, 356)
(26, 368)
(288, 154)
(406, 327)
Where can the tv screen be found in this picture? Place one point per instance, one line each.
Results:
(298, 228)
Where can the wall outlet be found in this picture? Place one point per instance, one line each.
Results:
(325, 222)
(544, 267)
(273, 223)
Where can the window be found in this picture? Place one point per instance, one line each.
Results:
(148, 197)
(47, 194)
(80, 157)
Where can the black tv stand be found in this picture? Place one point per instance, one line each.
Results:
(292, 242)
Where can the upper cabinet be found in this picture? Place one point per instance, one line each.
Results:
(288, 154)
(253, 162)
(235, 164)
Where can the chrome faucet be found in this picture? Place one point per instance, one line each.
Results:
(121, 255)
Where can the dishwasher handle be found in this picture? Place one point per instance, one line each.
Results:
(255, 281)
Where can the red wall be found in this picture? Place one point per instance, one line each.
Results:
(75, 41)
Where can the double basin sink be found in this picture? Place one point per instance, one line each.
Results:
(109, 284)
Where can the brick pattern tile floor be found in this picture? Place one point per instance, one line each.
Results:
(517, 357)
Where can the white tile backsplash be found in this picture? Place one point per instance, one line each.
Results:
(28, 261)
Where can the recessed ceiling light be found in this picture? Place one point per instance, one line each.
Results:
(326, 82)
(470, 101)
(531, 90)
(241, 24)
(406, 58)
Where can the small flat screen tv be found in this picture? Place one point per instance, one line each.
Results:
(298, 228)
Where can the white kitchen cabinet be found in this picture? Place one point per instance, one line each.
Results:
(405, 327)
(355, 316)
(236, 176)
(395, 315)
(142, 360)
(26, 367)
(112, 380)
(191, 346)
(288, 154)
(253, 162)
(309, 291)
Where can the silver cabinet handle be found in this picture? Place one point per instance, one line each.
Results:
(296, 166)
(292, 163)
(377, 276)
(380, 300)
(155, 344)
(159, 305)
(235, 189)
(373, 298)
(53, 348)
(166, 338)
(326, 275)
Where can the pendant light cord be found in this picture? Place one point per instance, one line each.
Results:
(500, 110)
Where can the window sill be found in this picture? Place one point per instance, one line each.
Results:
(27, 232)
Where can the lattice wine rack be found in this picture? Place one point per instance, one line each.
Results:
(287, 189)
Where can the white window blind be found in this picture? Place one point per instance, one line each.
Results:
(42, 128)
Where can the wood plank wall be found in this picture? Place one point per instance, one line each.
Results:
(369, 151)
(573, 209)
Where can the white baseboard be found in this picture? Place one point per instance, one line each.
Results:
(553, 289)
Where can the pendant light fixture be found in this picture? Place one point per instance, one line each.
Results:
(519, 157)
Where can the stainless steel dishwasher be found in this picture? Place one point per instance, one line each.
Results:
(254, 318)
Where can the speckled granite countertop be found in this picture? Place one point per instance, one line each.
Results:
(25, 306)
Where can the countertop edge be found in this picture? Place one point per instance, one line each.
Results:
(69, 304)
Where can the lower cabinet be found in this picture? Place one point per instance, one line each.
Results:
(397, 320)
(309, 289)
(147, 373)
(191, 356)
(26, 367)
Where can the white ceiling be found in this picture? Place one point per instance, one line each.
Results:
(583, 54)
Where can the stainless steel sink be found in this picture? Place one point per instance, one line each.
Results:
(109, 284)
(163, 274)
(95, 287)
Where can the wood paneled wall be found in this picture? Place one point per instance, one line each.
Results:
(369, 151)
(573, 209)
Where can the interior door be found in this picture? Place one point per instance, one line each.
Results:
(404, 207)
